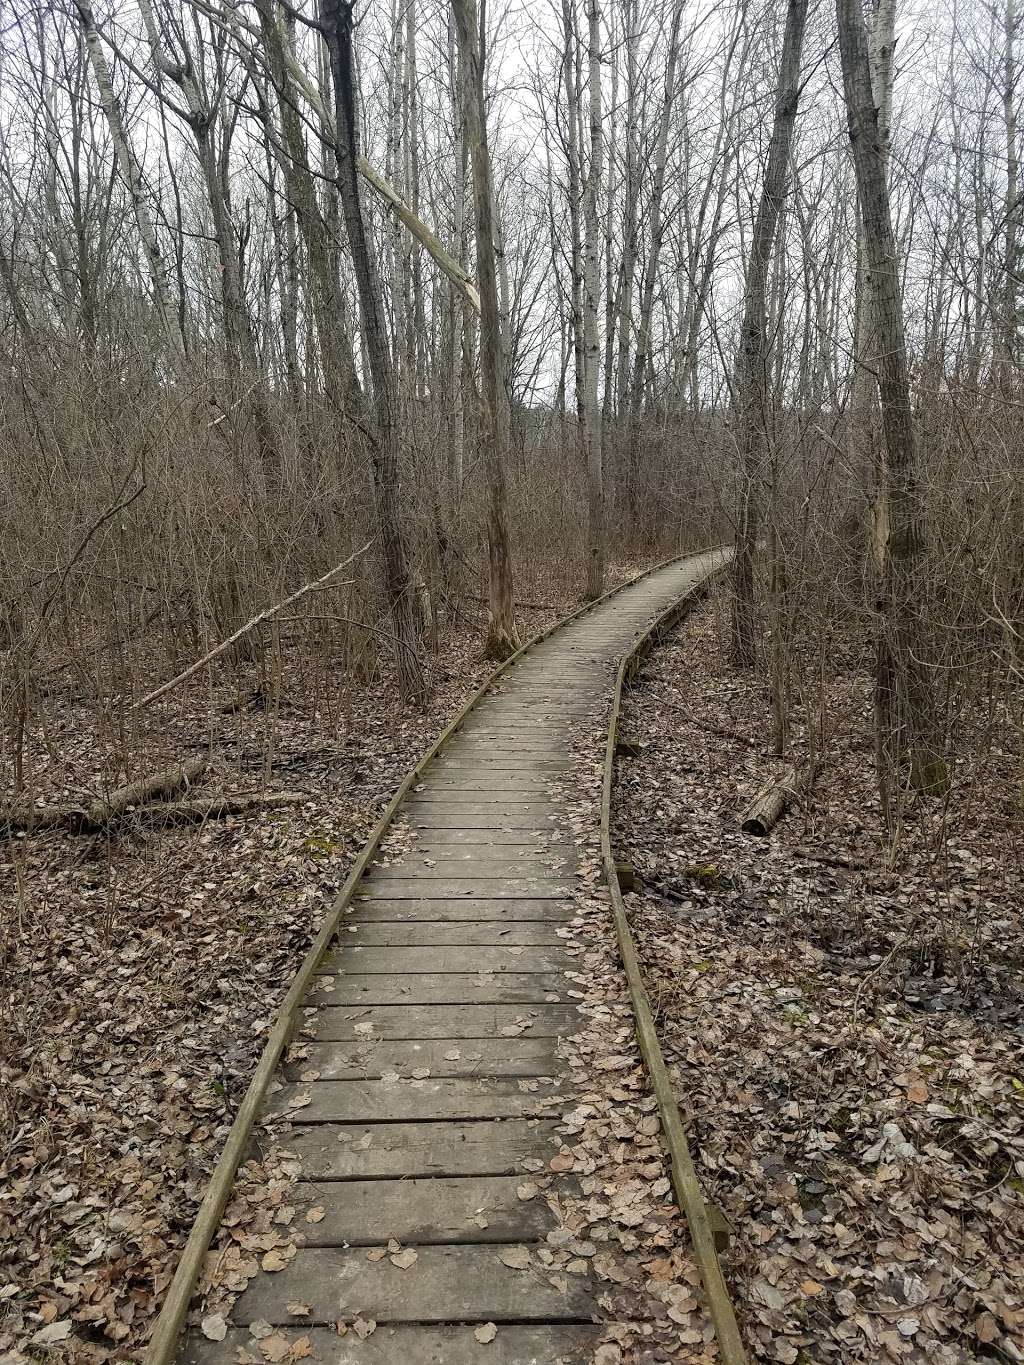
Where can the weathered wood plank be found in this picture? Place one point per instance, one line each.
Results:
(541, 863)
(464, 933)
(453, 801)
(470, 1209)
(372, 1151)
(416, 1345)
(393, 887)
(456, 1099)
(369, 1057)
(437, 818)
(389, 961)
(447, 1021)
(483, 988)
(436, 844)
(451, 1284)
(469, 907)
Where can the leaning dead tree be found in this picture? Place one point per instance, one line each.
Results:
(903, 701)
(750, 376)
(338, 26)
(501, 639)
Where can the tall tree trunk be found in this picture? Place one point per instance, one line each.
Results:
(570, 56)
(750, 385)
(1006, 331)
(501, 639)
(130, 170)
(338, 25)
(867, 456)
(657, 231)
(322, 285)
(902, 684)
(596, 549)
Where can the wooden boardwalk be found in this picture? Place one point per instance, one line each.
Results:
(450, 970)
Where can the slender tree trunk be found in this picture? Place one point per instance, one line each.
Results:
(130, 171)
(457, 301)
(657, 231)
(323, 288)
(867, 456)
(1006, 332)
(502, 638)
(596, 549)
(750, 385)
(572, 153)
(902, 684)
(338, 26)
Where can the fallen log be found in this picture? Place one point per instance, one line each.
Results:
(29, 818)
(164, 783)
(99, 813)
(763, 813)
(215, 807)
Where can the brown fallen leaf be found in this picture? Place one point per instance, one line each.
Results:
(299, 1310)
(273, 1261)
(316, 1214)
(275, 1348)
(516, 1258)
(486, 1333)
(404, 1259)
(301, 1348)
(364, 1327)
(376, 1253)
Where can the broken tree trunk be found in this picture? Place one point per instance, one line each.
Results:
(764, 812)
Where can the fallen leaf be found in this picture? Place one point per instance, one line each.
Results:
(275, 1348)
(214, 1328)
(52, 1333)
(486, 1333)
(364, 1327)
(316, 1214)
(404, 1259)
(516, 1258)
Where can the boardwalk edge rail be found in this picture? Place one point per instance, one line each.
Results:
(163, 1343)
(684, 1177)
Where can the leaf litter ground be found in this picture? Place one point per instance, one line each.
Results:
(845, 1027)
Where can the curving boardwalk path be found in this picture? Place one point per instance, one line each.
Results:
(450, 964)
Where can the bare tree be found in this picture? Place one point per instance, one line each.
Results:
(338, 28)
(501, 639)
(750, 382)
(902, 685)
(592, 439)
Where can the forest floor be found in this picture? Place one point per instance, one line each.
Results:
(846, 1026)
(141, 969)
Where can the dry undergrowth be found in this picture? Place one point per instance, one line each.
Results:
(846, 1033)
